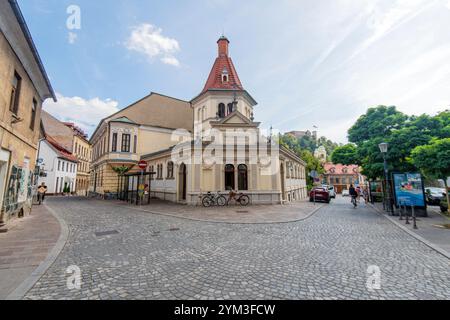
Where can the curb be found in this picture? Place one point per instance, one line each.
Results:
(20, 292)
(226, 222)
(413, 234)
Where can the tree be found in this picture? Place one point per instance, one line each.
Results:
(402, 132)
(312, 164)
(345, 155)
(434, 161)
(377, 122)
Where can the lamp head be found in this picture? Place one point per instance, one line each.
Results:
(384, 147)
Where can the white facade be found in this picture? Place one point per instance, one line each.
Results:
(60, 172)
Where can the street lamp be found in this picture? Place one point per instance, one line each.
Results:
(384, 150)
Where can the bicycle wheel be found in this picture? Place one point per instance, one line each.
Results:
(206, 202)
(244, 201)
(221, 201)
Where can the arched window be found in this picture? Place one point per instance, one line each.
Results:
(170, 170)
(243, 177)
(229, 177)
(150, 170)
(230, 108)
(204, 113)
(199, 116)
(221, 110)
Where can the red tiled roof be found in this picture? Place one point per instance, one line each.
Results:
(340, 168)
(223, 62)
(62, 152)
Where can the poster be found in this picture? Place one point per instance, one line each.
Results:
(409, 189)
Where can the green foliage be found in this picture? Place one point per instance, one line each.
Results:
(312, 164)
(345, 155)
(380, 121)
(403, 133)
(434, 159)
(121, 170)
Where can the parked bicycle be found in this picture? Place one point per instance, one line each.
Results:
(213, 200)
(240, 198)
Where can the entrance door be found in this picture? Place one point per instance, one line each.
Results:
(95, 183)
(183, 182)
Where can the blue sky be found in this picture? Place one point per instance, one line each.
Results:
(306, 62)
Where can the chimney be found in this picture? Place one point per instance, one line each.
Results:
(223, 46)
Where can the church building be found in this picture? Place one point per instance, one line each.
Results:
(210, 144)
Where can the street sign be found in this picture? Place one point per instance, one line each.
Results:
(142, 165)
(314, 174)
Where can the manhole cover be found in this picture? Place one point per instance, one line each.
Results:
(174, 229)
(106, 233)
(241, 211)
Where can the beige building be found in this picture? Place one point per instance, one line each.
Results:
(177, 139)
(121, 139)
(81, 149)
(74, 140)
(321, 154)
(24, 86)
(343, 176)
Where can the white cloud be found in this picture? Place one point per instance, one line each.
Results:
(149, 40)
(171, 60)
(385, 19)
(85, 113)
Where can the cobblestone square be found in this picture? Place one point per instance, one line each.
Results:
(151, 257)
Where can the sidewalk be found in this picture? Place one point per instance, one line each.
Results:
(25, 246)
(429, 229)
(256, 214)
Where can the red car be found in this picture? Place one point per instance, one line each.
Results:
(320, 195)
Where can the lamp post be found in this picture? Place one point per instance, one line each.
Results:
(387, 201)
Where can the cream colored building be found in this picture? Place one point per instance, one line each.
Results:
(144, 127)
(209, 144)
(321, 154)
(81, 149)
(24, 86)
(74, 140)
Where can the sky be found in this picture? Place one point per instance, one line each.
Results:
(307, 62)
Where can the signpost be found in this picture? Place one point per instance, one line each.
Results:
(141, 188)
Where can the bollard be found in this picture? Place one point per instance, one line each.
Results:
(407, 216)
(414, 217)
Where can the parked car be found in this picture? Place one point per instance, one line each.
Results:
(346, 193)
(320, 194)
(434, 196)
(332, 192)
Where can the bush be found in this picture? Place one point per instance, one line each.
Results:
(444, 207)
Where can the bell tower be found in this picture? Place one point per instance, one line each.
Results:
(223, 93)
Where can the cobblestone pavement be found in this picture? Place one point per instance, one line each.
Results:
(158, 257)
(289, 212)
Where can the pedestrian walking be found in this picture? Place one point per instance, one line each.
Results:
(42, 190)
